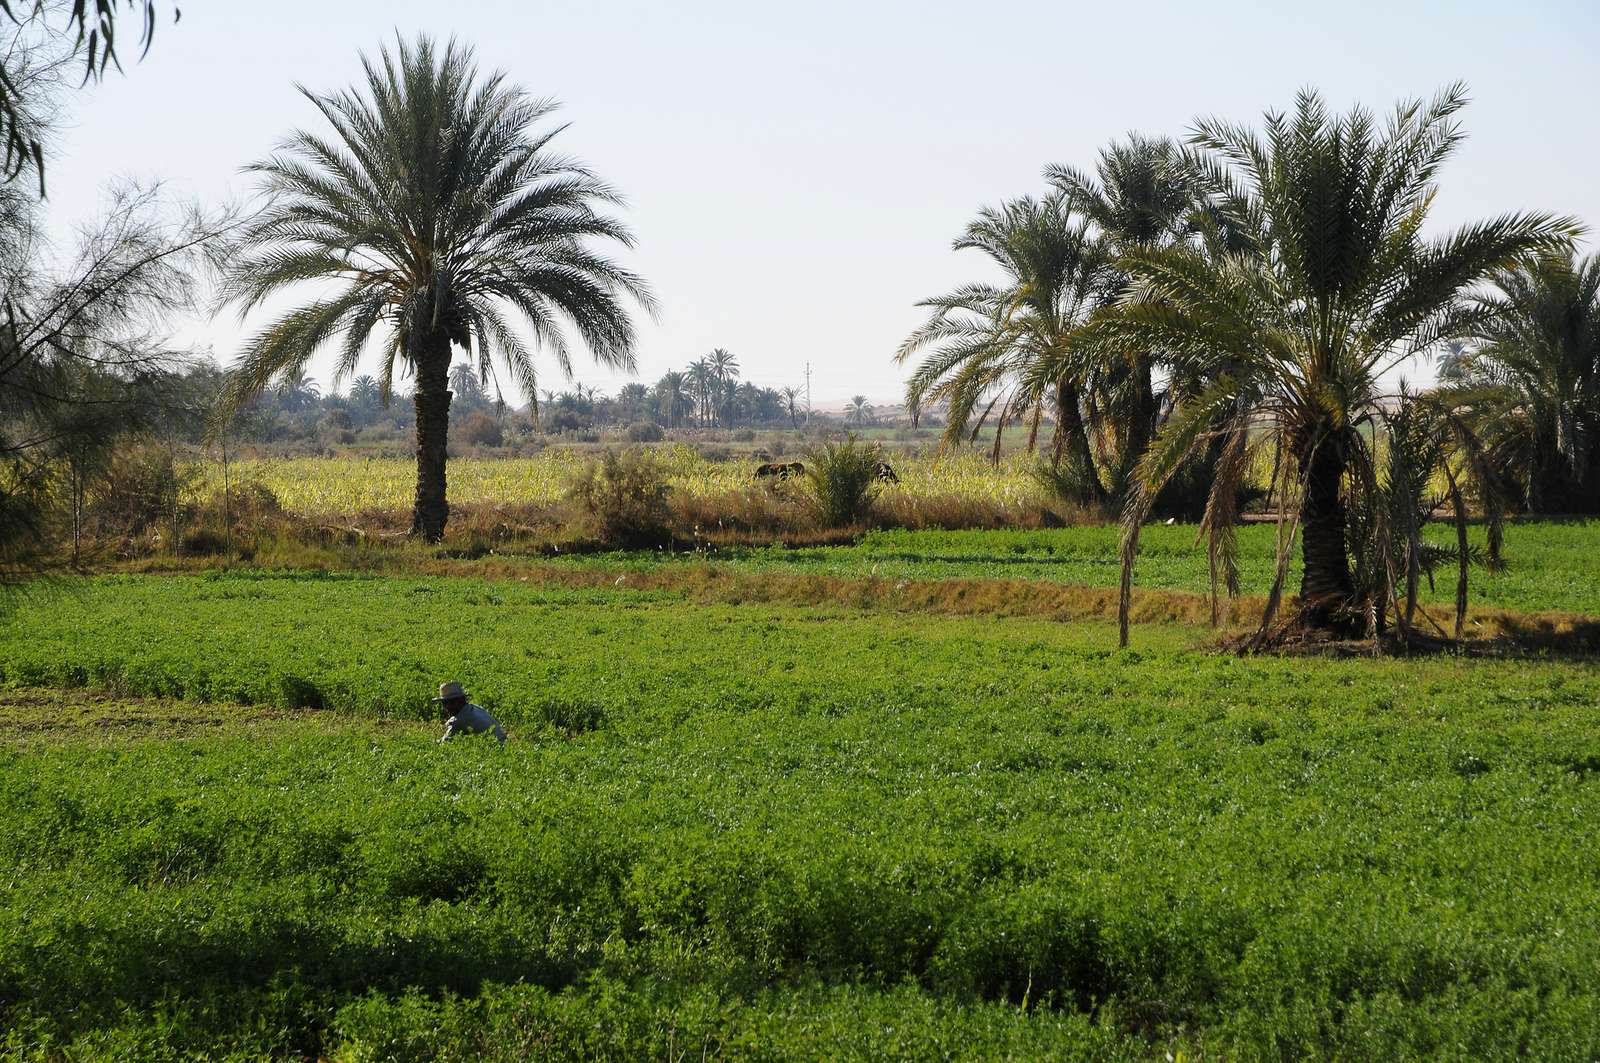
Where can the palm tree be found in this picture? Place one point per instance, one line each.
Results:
(631, 400)
(702, 380)
(1015, 345)
(1139, 199)
(441, 209)
(297, 391)
(1531, 388)
(1285, 336)
(723, 364)
(745, 402)
(364, 392)
(672, 394)
(725, 368)
(859, 412)
(466, 387)
(767, 404)
(791, 402)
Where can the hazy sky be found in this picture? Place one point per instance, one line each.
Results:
(795, 173)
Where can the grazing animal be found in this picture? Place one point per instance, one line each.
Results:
(779, 470)
(885, 472)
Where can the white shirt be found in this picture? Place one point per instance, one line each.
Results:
(472, 720)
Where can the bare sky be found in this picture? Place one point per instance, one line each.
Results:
(795, 173)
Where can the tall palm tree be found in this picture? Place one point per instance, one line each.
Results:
(702, 382)
(1532, 384)
(441, 210)
(1140, 198)
(724, 364)
(725, 368)
(791, 403)
(1332, 286)
(1015, 345)
(673, 395)
(747, 401)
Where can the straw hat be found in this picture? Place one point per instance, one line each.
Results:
(449, 690)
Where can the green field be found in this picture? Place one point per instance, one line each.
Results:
(1547, 569)
(772, 831)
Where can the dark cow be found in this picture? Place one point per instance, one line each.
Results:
(779, 470)
(884, 471)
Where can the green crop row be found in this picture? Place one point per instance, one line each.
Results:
(780, 832)
(1550, 563)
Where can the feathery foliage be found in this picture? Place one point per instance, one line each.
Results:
(446, 220)
(1281, 324)
(1531, 385)
(843, 479)
(1013, 347)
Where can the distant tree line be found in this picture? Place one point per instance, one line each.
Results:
(707, 394)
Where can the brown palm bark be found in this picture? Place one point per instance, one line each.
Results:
(1326, 586)
(1142, 420)
(431, 510)
(1072, 436)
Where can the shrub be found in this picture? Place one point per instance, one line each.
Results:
(480, 429)
(562, 419)
(623, 499)
(383, 432)
(644, 432)
(1065, 480)
(139, 492)
(844, 480)
(248, 504)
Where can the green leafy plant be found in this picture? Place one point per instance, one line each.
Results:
(843, 479)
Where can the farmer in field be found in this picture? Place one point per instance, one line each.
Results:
(461, 717)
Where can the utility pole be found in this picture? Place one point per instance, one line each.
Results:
(808, 393)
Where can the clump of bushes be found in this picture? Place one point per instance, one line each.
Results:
(245, 511)
(139, 493)
(645, 432)
(622, 499)
(843, 481)
(481, 430)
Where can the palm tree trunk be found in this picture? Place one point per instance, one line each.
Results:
(1326, 587)
(432, 399)
(1141, 426)
(1069, 420)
